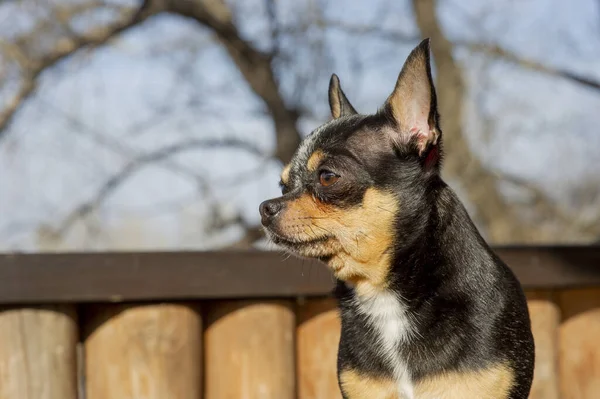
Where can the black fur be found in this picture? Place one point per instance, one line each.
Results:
(468, 308)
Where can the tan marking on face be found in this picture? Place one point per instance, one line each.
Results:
(362, 237)
(494, 382)
(315, 160)
(285, 174)
(357, 386)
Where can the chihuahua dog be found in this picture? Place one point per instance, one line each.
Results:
(428, 310)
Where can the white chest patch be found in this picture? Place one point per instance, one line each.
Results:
(392, 322)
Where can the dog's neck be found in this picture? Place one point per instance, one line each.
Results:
(430, 250)
(448, 246)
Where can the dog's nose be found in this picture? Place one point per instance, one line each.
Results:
(268, 210)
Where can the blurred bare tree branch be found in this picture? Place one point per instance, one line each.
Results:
(113, 183)
(496, 51)
(253, 64)
(33, 65)
(502, 220)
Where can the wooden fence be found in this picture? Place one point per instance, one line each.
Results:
(240, 325)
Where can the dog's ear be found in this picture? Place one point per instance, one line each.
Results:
(413, 103)
(339, 104)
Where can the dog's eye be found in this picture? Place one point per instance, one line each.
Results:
(327, 178)
(283, 187)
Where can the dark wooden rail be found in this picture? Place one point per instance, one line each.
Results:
(116, 277)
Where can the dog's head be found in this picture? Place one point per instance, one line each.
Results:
(354, 179)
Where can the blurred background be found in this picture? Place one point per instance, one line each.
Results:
(128, 125)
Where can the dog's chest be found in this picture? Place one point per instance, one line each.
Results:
(391, 322)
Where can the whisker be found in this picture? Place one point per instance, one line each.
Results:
(323, 228)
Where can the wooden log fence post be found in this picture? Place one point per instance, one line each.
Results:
(249, 348)
(38, 352)
(150, 351)
(580, 343)
(545, 320)
(318, 337)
